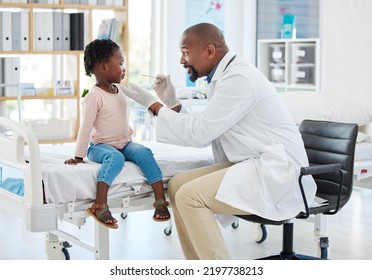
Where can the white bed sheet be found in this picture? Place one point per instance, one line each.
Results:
(67, 183)
(363, 151)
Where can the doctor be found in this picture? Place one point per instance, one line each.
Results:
(256, 145)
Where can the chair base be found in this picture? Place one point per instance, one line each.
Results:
(292, 256)
(287, 252)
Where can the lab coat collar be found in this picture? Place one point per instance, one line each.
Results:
(222, 65)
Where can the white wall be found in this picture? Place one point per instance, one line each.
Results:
(346, 39)
(169, 21)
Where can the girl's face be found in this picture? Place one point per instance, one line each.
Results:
(115, 67)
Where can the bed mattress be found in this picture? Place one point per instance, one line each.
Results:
(65, 183)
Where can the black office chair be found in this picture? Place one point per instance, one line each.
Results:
(330, 147)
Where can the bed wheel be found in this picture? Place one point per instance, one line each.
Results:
(323, 247)
(124, 215)
(261, 233)
(58, 250)
(235, 224)
(66, 253)
(168, 231)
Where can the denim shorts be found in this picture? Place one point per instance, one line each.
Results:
(113, 160)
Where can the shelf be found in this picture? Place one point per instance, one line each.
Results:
(290, 64)
(62, 6)
(37, 97)
(67, 52)
(53, 118)
(59, 141)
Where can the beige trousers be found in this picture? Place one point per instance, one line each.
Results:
(192, 195)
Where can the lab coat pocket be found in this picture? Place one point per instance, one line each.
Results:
(264, 186)
(274, 169)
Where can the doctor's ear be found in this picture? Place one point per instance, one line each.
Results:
(211, 50)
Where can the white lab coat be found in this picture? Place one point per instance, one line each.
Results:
(248, 125)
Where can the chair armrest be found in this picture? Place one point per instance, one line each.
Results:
(320, 169)
(315, 170)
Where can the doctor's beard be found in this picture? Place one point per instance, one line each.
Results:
(193, 75)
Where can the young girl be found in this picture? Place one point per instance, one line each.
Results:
(106, 132)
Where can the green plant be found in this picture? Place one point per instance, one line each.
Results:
(85, 92)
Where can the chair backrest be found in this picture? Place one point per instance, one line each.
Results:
(331, 142)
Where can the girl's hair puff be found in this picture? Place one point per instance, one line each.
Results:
(97, 51)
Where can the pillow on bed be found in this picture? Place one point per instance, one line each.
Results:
(363, 137)
(319, 106)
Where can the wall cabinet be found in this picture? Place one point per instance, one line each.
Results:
(41, 60)
(291, 65)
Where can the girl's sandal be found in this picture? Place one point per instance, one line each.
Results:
(161, 213)
(103, 216)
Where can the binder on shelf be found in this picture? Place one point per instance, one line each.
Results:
(74, 31)
(11, 72)
(6, 30)
(77, 31)
(1, 30)
(39, 36)
(81, 17)
(24, 25)
(66, 31)
(1, 76)
(16, 31)
(48, 31)
(57, 31)
(16, 76)
(118, 2)
(7, 71)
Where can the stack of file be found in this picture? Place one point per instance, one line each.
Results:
(58, 31)
(14, 31)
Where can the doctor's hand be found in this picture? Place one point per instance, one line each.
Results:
(165, 90)
(139, 94)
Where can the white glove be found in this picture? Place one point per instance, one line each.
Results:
(139, 94)
(165, 90)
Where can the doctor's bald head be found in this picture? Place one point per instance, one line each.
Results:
(205, 34)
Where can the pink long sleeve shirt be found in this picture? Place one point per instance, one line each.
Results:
(105, 120)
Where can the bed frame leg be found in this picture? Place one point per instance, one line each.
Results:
(55, 249)
(321, 236)
(101, 242)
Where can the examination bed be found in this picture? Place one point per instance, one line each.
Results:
(38, 187)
